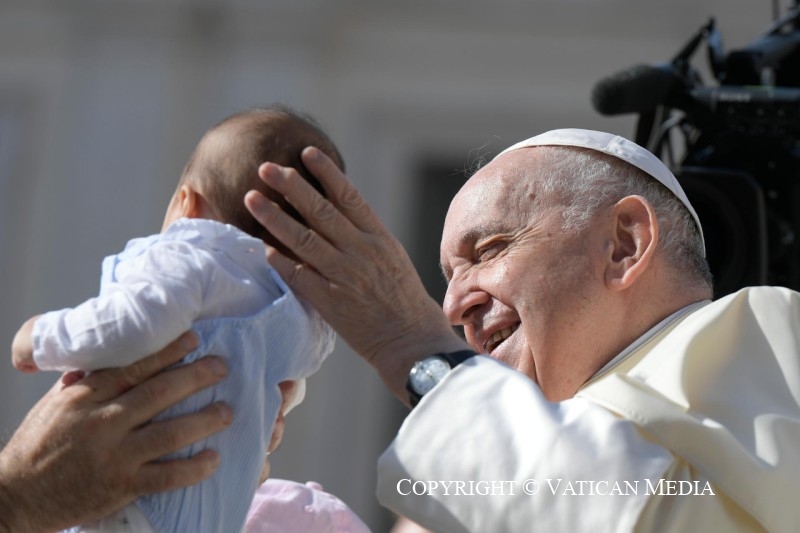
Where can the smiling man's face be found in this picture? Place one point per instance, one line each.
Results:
(525, 291)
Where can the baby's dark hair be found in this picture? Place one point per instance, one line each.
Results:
(224, 165)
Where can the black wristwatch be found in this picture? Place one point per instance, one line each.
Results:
(428, 372)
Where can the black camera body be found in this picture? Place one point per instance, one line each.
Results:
(739, 144)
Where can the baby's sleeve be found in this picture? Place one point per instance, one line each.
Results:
(153, 299)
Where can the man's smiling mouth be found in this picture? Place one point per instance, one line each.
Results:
(498, 337)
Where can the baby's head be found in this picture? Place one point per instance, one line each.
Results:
(224, 166)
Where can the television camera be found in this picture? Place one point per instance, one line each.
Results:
(733, 144)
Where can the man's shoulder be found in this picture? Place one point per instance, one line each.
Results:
(756, 300)
(764, 291)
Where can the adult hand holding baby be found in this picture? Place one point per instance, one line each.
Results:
(95, 429)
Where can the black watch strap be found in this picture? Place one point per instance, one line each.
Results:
(456, 358)
(453, 359)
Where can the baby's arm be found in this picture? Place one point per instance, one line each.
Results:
(22, 347)
(153, 298)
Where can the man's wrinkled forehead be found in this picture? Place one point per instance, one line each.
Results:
(499, 197)
(507, 186)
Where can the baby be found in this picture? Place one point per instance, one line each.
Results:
(207, 271)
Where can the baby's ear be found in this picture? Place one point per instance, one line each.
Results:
(192, 203)
(187, 201)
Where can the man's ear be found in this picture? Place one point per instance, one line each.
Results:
(634, 241)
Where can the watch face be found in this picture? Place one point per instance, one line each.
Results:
(427, 373)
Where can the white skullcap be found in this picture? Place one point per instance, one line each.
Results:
(618, 147)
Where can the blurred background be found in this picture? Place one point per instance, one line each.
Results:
(101, 104)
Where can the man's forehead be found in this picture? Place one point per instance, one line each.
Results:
(497, 198)
(508, 183)
(508, 171)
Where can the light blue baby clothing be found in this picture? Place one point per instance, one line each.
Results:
(215, 279)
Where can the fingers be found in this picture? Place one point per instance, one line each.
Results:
(303, 279)
(26, 367)
(340, 191)
(341, 217)
(171, 475)
(143, 369)
(340, 231)
(146, 400)
(110, 383)
(166, 436)
(292, 393)
(265, 471)
(277, 433)
(72, 377)
(304, 242)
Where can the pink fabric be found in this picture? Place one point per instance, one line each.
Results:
(281, 506)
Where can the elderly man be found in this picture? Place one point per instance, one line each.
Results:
(615, 396)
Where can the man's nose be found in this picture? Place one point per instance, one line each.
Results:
(462, 299)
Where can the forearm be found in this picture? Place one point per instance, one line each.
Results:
(144, 303)
(18, 513)
(9, 516)
(110, 330)
(11, 512)
(29, 492)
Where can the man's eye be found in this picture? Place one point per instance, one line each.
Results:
(489, 251)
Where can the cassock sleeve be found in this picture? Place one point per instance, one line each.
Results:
(484, 451)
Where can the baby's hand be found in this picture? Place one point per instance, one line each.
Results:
(291, 392)
(22, 348)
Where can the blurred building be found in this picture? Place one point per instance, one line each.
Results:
(102, 102)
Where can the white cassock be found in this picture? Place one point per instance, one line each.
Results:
(706, 402)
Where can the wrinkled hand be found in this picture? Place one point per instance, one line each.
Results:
(87, 449)
(352, 269)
